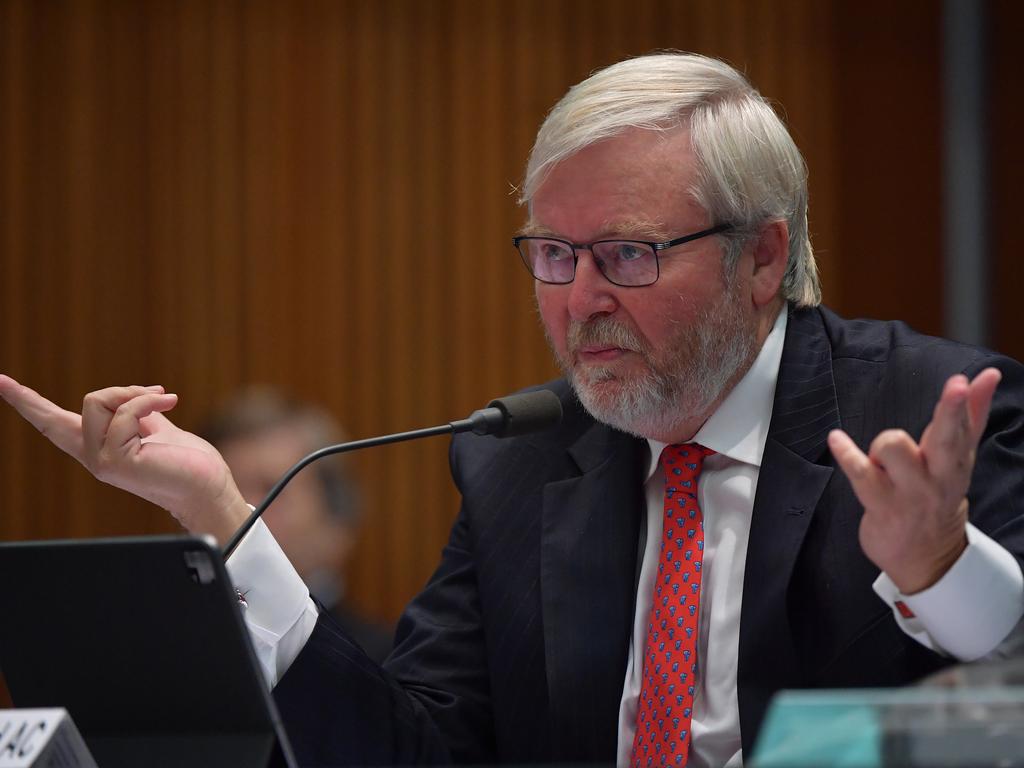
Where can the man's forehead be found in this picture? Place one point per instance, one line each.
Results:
(638, 227)
(637, 185)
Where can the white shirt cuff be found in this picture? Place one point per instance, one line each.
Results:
(279, 612)
(971, 609)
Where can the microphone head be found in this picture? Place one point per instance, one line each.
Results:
(526, 412)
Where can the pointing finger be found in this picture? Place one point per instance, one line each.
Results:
(945, 442)
(62, 428)
(959, 419)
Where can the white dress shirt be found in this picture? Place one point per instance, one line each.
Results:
(281, 616)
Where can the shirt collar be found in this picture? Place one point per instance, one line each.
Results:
(738, 428)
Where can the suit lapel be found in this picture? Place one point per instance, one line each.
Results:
(588, 565)
(790, 483)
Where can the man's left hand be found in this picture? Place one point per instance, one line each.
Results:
(915, 494)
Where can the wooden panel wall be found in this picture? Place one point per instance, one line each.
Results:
(1006, 126)
(318, 195)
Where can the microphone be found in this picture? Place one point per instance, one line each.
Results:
(507, 416)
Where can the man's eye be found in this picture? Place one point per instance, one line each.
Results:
(629, 252)
(555, 252)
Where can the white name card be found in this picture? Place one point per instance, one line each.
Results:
(41, 738)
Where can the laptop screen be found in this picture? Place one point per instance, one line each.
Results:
(142, 641)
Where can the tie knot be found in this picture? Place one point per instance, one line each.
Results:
(683, 461)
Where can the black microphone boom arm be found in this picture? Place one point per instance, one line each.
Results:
(504, 417)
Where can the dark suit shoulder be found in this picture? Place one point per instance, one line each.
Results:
(885, 341)
(889, 375)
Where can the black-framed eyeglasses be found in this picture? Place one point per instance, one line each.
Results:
(627, 263)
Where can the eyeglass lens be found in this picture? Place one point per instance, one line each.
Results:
(621, 261)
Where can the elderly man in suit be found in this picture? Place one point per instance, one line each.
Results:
(747, 492)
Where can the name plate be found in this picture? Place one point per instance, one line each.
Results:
(41, 738)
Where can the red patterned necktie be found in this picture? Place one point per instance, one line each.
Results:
(670, 654)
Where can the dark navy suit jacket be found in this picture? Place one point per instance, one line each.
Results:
(516, 649)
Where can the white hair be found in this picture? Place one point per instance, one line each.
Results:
(750, 170)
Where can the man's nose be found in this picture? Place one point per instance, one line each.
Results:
(590, 293)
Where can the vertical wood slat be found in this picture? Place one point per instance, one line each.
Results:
(14, 496)
(888, 123)
(315, 195)
(83, 160)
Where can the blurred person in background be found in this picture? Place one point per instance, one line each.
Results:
(261, 433)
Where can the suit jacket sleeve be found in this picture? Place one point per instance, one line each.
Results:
(429, 700)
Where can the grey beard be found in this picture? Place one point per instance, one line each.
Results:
(706, 358)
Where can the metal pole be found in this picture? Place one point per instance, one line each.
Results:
(966, 250)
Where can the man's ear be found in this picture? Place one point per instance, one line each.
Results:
(770, 255)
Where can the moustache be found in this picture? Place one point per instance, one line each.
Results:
(603, 331)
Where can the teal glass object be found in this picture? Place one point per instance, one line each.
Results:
(936, 726)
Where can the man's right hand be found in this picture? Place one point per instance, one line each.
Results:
(123, 438)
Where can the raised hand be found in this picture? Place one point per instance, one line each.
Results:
(123, 438)
(915, 494)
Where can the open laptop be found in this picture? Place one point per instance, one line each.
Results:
(142, 641)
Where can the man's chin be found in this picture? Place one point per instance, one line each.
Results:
(598, 384)
(608, 400)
